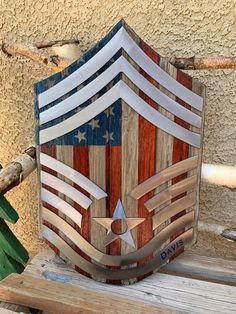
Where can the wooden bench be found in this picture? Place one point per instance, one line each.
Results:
(51, 285)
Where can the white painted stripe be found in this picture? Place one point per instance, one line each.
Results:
(120, 65)
(120, 40)
(61, 205)
(120, 90)
(66, 189)
(73, 175)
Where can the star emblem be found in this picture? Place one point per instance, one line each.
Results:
(94, 123)
(108, 136)
(81, 136)
(119, 219)
(109, 112)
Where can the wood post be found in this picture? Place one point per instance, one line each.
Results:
(17, 170)
(35, 53)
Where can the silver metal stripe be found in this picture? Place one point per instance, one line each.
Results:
(66, 189)
(120, 40)
(173, 191)
(120, 65)
(120, 90)
(73, 175)
(118, 260)
(164, 176)
(61, 205)
(173, 209)
(116, 274)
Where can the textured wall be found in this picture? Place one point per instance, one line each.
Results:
(184, 28)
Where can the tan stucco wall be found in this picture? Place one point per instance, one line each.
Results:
(184, 28)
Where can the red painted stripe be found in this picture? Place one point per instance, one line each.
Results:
(81, 164)
(180, 149)
(147, 157)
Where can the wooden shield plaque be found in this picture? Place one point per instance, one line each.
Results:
(119, 142)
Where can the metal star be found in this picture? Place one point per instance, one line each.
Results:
(94, 123)
(108, 136)
(130, 223)
(81, 136)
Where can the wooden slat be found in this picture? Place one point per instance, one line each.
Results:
(98, 208)
(129, 166)
(63, 298)
(65, 156)
(147, 151)
(5, 311)
(203, 267)
(13, 308)
(186, 265)
(183, 294)
(200, 89)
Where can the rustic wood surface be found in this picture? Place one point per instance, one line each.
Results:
(178, 293)
(17, 170)
(13, 308)
(35, 53)
(212, 269)
(63, 298)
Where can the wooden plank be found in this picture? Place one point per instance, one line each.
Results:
(63, 298)
(164, 142)
(147, 151)
(5, 311)
(98, 207)
(13, 308)
(183, 294)
(200, 89)
(129, 160)
(204, 268)
(186, 265)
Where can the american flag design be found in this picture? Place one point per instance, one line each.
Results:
(119, 142)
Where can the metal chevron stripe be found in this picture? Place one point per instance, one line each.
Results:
(118, 260)
(120, 66)
(171, 192)
(120, 40)
(164, 176)
(65, 189)
(117, 274)
(173, 209)
(73, 175)
(61, 205)
(120, 90)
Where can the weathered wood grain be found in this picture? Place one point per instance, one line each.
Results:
(17, 170)
(200, 90)
(182, 294)
(62, 298)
